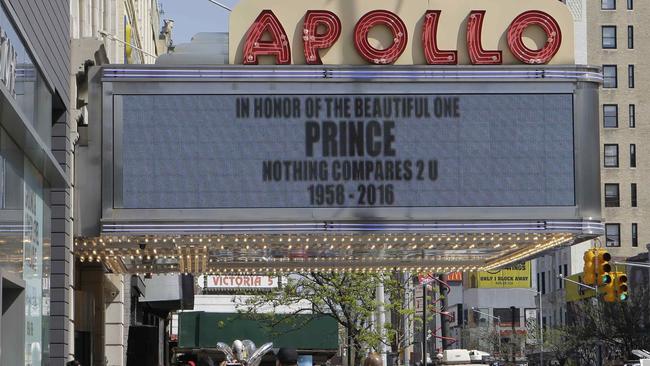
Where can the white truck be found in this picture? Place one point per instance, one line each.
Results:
(464, 357)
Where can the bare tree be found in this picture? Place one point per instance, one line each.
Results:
(617, 328)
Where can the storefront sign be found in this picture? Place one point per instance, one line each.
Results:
(515, 276)
(345, 150)
(436, 32)
(455, 277)
(237, 282)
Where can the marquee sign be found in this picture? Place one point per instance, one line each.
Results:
(347, 150)
(241, 282)
(436, 32)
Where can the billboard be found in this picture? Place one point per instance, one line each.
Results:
(517, 275)
(346, 151)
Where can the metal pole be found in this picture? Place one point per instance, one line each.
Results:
(541, 331)
(577, 283)
(633, 264)
(424, 324)
(498, 329)
(220, 5)
(381, 320)
(444, 323)
(406, 319)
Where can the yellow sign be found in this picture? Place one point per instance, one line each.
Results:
(575, 292)
(514, 276)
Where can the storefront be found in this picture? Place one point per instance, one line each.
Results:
(28, 172)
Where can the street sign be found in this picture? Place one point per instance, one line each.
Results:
(425, 279)
(419, 293)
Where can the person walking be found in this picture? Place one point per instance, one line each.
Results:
(286, 357)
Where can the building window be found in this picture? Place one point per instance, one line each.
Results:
(632, 155)
(560, 278)
(635, 235)
(566, 270)
(630, 4)
(632, 115)
(507, 316)
(612, 197)
(613, 235)
(608, 4)
(630, 37)
(630, 76)
(610, 115)
(609, 36)
(610, 79)
(611, 155)
(543, 283)
(633, 195)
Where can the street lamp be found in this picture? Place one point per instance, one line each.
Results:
(498, 319)
(541, 326)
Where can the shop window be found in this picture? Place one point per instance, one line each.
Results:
(507, 317)
(610, 115)
(613, 235)
(611, 156)
(25, 82)
(609, 36)
(610, 77)
(612, 197)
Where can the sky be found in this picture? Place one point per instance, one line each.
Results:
(194, 16)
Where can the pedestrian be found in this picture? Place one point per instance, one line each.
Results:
(373, 359)
(286, 357)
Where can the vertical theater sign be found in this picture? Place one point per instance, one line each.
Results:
(348, 135)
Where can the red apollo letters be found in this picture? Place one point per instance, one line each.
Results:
(322, 29)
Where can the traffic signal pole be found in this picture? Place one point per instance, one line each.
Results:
(633, 264)
(561, 276)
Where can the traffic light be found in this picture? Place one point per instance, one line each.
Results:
(589, 272)
(603, 268)
(610, 292)
(616, 290)
(621, 286)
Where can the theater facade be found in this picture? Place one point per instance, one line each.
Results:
(347, 136)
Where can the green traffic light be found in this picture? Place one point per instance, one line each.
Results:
(623, 297)
(607, 278)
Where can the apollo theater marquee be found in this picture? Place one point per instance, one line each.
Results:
(348, 135)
